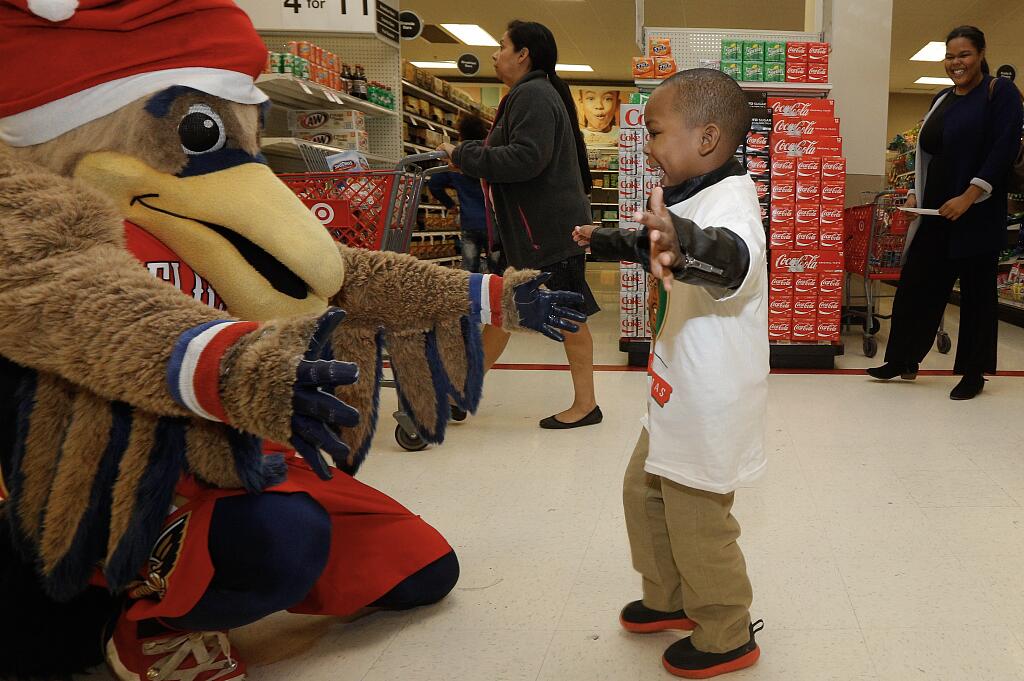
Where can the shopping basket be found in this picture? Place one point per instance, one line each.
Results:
(875, 235)
(371, 209)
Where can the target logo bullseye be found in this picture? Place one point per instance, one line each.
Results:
(323, 212)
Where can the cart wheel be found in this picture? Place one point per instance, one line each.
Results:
(876, 325)
(409, 442)
(870, 347)
(943, 343)
(458, 414)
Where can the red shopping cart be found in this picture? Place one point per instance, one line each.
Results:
(875, 237)
(372, 209)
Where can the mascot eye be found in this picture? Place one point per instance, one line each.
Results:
(201, 130)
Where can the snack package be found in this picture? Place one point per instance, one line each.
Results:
(643, 67)
(659, 47)
(347, 162)
(664, 67)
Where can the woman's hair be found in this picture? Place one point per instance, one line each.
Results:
(471, 127)
(977, 38)
(543, 56)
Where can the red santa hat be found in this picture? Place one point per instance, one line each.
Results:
(69, 62)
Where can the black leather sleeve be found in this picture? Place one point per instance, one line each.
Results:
(712, 256)
(610, 244)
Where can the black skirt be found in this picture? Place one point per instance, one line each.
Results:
(566, 275)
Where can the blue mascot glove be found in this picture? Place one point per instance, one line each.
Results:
(317, 413)
(541, 310)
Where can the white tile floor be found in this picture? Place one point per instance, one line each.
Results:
(884, 542)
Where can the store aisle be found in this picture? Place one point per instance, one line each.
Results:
(883, 542)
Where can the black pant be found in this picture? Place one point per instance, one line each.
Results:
(925, 284)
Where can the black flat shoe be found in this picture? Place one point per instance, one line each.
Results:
(968, 387)
(591, 419)
(889, 370)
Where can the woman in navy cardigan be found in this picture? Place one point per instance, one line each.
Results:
(965, 149)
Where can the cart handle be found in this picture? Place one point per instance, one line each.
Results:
(417, 159)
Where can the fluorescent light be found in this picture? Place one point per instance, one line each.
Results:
(933, 51)
(471, 34)
(929, 80)
(435, 64)
(573, 67)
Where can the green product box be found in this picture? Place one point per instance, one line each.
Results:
(753, 71)
(775, 72)
(753, 50)
(639, 97)
(732, 50)
(733, 69)
(775, 52)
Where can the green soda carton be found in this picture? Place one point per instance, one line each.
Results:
(753, 50)
(732, 50)
(775, 52)
(733, 69)
(775, 72)
(639, 97)
(753, 71)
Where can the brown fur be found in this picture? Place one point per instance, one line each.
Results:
(129, 475)
(80, 459)
(47, 428)
(452, 348)
(209, 454)
(408, 354)
(357, 345)
(510, 315)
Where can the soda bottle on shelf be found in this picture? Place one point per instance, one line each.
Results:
(346, 79)
(359, 84)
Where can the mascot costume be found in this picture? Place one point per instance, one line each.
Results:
(174, 360)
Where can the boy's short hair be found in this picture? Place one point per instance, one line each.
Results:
(471, 127)
(705, 96)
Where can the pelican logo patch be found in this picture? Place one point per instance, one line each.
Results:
(163, 560)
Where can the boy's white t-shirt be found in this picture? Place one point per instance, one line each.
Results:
(710, 363)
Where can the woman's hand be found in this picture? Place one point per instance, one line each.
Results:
(581, 235)
(449, 149)
(911, 201)
(957, 206)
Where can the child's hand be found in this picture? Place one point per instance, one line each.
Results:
(665, 251)
(581, 235)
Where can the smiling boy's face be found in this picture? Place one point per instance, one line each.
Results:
(675, 146)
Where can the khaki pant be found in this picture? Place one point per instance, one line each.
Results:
(683, 542)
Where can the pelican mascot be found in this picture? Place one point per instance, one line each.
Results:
(181, 343)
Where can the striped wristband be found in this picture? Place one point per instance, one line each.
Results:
(485, 298)
(193, 374)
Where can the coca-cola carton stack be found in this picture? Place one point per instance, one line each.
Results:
(805, 296)
(756, 154)
(807, 62)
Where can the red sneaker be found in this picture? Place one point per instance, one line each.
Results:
(173, 656)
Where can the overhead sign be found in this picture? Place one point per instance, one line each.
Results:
(1007, 71)
(412, 25)
(469, 64)
(370, 17)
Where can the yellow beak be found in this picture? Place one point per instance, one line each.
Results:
(241, 229)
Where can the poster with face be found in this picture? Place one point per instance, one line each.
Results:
(598, 111)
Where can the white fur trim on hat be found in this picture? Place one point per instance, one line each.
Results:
(53, 10)
(53, 119)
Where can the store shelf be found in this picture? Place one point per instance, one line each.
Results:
(604, 204)
(429, 124)
(434, 98)
(799, 89)
(790, 355)
(432, 206)
(604, 172)
(418, 148)
(288, 147)
(429, 233)
(450, 258)
(287, 90)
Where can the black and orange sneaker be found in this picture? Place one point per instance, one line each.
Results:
(137, 655)
(639, 619)
(683, 659)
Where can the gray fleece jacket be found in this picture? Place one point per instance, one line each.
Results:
(530, 166)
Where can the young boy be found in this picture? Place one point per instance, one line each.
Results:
(709, 367)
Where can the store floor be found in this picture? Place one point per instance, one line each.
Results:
(884, 542)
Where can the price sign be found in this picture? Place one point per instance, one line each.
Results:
(309, 16)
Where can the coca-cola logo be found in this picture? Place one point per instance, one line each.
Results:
(806, 213)
(826, 305)
(806, 283)
(803, 329)
(796, 263)
(833, 191)
(833, 168)
(762, 189)
(757, 140)
(830, 284)
(831, 215)
(782, 213)
(795, 49)
(817, 50)
(778, 305)
(804, 147)
(808, 167)
(831, 238)
(757, 165)
(779, 326)
(781, 282)
(807, 191)
(783, 167)
(795, 127)
(805, 305)
(794, 109)
(322, 138)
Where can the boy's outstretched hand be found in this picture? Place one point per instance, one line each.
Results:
(665, 251)
(581, 235)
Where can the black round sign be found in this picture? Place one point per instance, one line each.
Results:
(469, 64)
(411, 24)
(1007, 71)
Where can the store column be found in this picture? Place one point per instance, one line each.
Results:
(860, 33)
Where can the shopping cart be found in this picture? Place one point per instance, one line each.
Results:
(372, 209)
(875, 235)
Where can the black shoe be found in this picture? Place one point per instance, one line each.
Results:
(968, 387)
(908, 372)
(639, 619)
(593, 418)
(458, 414)
(682, 659)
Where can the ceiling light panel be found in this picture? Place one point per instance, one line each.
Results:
(574, 67)
(471, 34)
(435, 64)
(929, 80)
(933, 51)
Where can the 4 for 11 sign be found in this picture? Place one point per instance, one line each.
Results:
(334, 16)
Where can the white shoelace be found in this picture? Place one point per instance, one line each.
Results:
(205, 646)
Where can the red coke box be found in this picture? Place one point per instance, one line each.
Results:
(783, 168)
(808, 191)
(805, 307)
(806, 238)
(758, 166)
(805, 330)
(796, 52)
(784, 191)
(831, 214)
(818, 52)
(829, 306)
(808, 168)
(826, 329)
(831, 237)
(764, 189)
(780, 328)
(807, 261)
(829, 284)
(796, 71)
(757, 142)
(796, 107)
(803, 127)
(807, 214)
(833, 168)
(828, 145)
(781, 284)
(817, 73)
(782, 236)
(833, 192)
(780, 305)
(805, 284)
(783, 213)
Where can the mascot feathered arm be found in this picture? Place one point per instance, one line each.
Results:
(428, 318)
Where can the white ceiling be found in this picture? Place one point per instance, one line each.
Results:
(600, 32)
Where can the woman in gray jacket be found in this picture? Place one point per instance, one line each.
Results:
(534, 170)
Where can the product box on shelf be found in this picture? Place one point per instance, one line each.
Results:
(780, 304)
(805, 330)
(828, 145)
(817, 52)
(833, 192)
(808, 190)
(801, 107)
(807, 224)
(757, 142)
(830, 284)
(664, 67)
(780, 328)
(796, 52)
(806, 127)
(805, 306)
(328, 120)
(817, 73)
(781, 284)
(783, 167)
(805, 284)
(659, 47)
(796, 72)
(808, 169)
(775, 52)
(733, 69)
(753, 50)
(830, 229)
(829, 328)
(783, 190)
(833, 168)
(782, 225)
(356, 140)
(732, 50)
(759, 167)
(775, 72)
(643, 67)
(805, 261)
(764, 189)
(753, 71)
